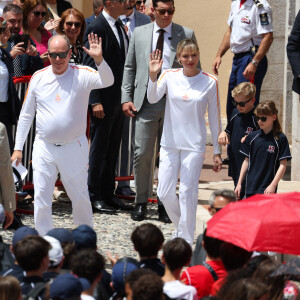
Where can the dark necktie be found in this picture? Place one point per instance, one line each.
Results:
(122, 47)
(160, 44)
(160, 41)
(126, 20)
(17, 63)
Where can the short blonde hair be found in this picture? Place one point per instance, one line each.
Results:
(188, 44)
(244, 88)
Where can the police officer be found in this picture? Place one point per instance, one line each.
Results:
(249, 37)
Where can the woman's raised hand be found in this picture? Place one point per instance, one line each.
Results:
(155, 64)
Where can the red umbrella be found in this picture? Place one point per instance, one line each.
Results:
(260, 223)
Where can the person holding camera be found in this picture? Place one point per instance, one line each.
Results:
(25, 56)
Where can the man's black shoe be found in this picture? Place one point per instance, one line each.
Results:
(101, 208)
(225, 161)
(117, 203)
(162, 215)
(139, 212)
(124, 191)
(17, 223)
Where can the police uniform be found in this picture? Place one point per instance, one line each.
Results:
(265, 153)
(239, 125)
(248, 25)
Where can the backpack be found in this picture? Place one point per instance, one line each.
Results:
(6, 258)
(36, 292)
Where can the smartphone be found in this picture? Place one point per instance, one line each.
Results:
(24, 38)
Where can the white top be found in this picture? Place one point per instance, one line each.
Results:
(4, 77)
(176, 289)
(130, 24)
(248, 22)
(60, 102)
(167, 43)
(112, 23)
(187, 100)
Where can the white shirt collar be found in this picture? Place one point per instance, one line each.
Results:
(129, 17)
(168, 29)
(109, 18)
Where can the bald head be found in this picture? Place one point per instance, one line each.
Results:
(60, 40)
(59, 53)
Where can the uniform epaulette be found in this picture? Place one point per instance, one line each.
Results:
(258, 4)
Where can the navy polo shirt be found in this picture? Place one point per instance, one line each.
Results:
(239, 125)
(265, 153)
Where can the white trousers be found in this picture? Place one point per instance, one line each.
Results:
(71, 160)
(182, 211)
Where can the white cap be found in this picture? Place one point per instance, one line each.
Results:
(56, 253)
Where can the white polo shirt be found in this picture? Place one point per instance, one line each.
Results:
(188, 98)
(248, 24)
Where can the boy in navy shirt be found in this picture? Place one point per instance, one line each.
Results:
(242, 122)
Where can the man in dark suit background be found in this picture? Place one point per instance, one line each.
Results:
(293, 53)
(97, 8)
(105, 109)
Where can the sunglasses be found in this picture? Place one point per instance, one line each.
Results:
(76, 24)
(241, 104)
(162, 12)
(140, 2)
(216, 208)
(263, 118)
(39, 13)
(59, 54)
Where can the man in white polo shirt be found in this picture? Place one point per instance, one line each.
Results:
(61, 92)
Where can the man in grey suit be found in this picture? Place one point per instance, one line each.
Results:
(131, 19)
(163, 35)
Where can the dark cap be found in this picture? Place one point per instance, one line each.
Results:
(121, 270)
(61, 234)
(22, 232)
(67, 286)
(85, 237)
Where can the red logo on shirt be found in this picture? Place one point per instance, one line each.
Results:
(57, 98)
(185, 97)
(271, 149)
(245, 20)
(249, 129)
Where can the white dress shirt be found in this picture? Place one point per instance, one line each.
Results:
(111, 21)
(130, 24)
(167, 43)
(4, 76)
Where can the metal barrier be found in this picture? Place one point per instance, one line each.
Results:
(21, 84)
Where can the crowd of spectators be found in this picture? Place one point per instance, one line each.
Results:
(67, 264)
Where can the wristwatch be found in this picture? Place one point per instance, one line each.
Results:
(255, 63)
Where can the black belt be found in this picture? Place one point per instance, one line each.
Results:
(250, 52)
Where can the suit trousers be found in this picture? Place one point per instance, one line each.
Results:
(148, 128)
(71, 161)
(105, 144)
(182, 211)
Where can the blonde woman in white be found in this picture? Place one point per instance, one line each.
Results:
(189, 93)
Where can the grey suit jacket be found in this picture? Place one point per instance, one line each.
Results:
(140, 19)
(7, 186)
(136, 69)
